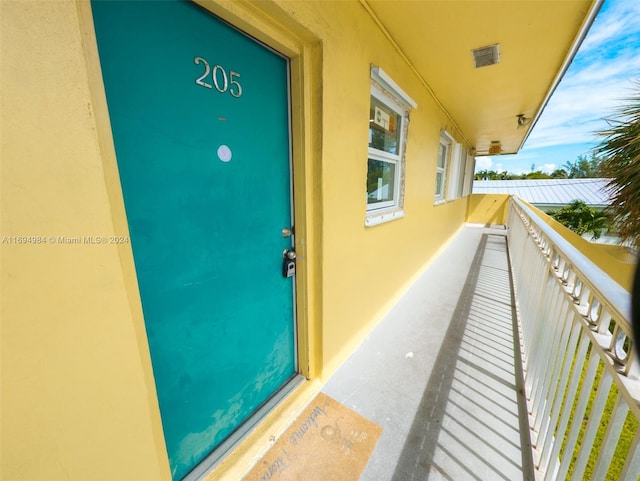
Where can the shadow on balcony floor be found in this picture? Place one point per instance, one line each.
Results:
(439, 373)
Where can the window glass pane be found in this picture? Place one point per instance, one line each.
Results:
(442, 156)
(384, 127)
(380, 181)
(439, 183)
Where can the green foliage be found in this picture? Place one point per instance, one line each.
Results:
(583, 167)
(582, 219)
(629, 429)
(627, 434)
(536, 175)
(559, 174)
(620, 151)
(493, 175)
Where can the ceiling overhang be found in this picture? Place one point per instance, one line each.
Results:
(499, 102)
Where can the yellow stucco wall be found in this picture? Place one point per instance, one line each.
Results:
(618, 268)
(487, 208)
(78, 401)
(78, 398)
(619, 252)
(364, 267)
(616, 261)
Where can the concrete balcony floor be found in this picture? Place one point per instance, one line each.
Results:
(441, 374)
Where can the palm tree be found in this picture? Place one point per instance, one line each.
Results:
(620, 152)
(583, 167)
(582, 219)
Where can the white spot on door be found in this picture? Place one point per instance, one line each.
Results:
(224, 153)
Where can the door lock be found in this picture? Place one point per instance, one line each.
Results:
(288, 263)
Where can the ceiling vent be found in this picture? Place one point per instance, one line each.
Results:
(488, 55)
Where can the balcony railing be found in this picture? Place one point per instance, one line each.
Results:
(580, 365)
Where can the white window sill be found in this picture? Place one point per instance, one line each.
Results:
(377, 218)
(446, 201)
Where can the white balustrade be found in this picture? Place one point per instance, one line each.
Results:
(580, 364)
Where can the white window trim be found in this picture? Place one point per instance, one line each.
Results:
(457, 172)
(454, 171)
(462, 172)
(382, 217)
(387, 83)
(445, 139)
(387, 91)
(391, 159)
(468, 175)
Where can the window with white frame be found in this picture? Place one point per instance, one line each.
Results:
(444, 152)
(388, 126)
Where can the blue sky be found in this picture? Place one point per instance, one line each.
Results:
(602, 75)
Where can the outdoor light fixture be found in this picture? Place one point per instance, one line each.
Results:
(523, 121)
(495, 148)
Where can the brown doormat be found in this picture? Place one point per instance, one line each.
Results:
(327, 442)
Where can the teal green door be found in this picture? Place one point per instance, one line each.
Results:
(200, 121)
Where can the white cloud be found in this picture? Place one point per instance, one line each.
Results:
(578, 109)
(597, 83)
(548, 168)
(483, 163)
(499, 169)
(617, 16)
